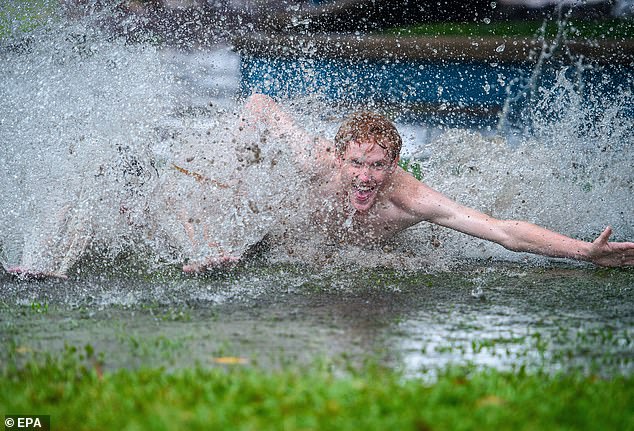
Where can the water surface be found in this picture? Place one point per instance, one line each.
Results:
(91, 125)
(508, 317)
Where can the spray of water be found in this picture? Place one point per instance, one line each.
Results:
(79, 109)
(102, 154)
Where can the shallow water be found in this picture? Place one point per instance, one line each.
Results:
(90, 126)
(506, 317)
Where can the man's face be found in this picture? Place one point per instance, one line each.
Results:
(365, 169)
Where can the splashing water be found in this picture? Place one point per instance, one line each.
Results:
(100, 154)
(77, 112)
(102, 151)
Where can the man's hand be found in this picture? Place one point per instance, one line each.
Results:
(606, 253)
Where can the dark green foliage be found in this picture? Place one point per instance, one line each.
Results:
(607, 29)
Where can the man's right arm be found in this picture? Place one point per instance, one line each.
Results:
(260, 108)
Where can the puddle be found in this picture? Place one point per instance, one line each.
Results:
(504, 317)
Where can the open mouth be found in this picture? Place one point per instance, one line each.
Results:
(362, 192)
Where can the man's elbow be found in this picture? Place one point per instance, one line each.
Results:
(258, 98)
(511, 236)
(258, 101)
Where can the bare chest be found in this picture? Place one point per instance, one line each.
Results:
(334, 219)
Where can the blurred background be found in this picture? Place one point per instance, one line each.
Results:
(188, 22)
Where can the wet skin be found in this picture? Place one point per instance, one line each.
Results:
(366, 169)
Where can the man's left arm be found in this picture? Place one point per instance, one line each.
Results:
(527, 237)
(516, 235)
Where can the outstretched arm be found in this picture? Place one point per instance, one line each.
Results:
(260, 108)
(515, 235)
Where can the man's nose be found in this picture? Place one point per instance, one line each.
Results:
(364, 173)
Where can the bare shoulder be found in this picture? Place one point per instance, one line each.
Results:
(417, 198)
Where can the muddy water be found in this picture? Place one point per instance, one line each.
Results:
(506, 317)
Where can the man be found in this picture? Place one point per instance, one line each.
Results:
(362, 196)
(371, 198)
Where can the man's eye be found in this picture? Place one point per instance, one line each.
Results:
(379, 166)
(356, 163)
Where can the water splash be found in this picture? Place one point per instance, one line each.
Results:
(78, 114)
(105, 153)
(105, 150)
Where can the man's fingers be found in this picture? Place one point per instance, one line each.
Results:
(28, 274)
(229, 259)
(190, 269)
(617, 254)
(605, 235)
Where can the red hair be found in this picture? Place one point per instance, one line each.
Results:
(370, 128)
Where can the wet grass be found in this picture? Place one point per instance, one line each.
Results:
(551, 318)
(24, 15)
(288, 348)
(574, 29)
(78, 395)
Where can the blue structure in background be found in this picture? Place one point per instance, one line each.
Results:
(453, 93)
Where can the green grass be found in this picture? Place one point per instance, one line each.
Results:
(576, 29)
(78, 396)
(413, 167)
(24, 15)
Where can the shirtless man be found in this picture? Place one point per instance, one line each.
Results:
(364, 196)
(372, 198)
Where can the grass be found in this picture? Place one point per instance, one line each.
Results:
(78, 396)
(413, 167)
(24, 15)
(575, 29)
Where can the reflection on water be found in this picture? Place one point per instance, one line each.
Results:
(552, 319)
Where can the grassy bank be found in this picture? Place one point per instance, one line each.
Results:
(237, 396)
(574, 29)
